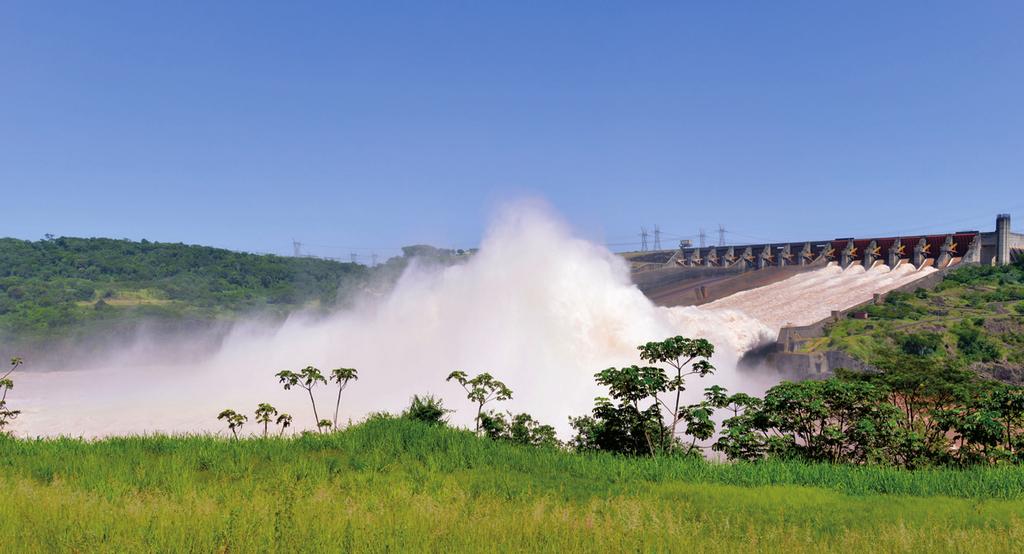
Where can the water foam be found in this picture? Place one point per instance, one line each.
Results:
(536, 307)
(809, 297)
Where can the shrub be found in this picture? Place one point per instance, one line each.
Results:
(428, 409)
(520, 429)
(974, 345)
(920, 344)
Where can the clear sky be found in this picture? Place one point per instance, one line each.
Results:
(376, 124)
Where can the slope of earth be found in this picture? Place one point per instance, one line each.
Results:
(975, 317)
(397, 485)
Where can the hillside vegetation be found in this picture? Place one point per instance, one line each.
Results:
(975, 318)
(393, 484)
(52, 287)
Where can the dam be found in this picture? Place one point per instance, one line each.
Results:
(690, 276)
(798, 288)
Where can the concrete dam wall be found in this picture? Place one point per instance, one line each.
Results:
(797, 289)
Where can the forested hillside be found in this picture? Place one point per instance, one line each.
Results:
(51, 287)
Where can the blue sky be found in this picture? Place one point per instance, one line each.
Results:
(363, 127)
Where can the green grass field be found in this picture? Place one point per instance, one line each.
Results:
(395, 485)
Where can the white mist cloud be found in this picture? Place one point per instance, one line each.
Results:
(537, 308)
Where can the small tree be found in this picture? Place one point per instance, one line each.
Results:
(265, 414)
(323, 425)
(680, 352)
(6, 384)
(234, 420)
(284, 421)
(306, 378)
(481, 389)
(342, 376)
(635, 425)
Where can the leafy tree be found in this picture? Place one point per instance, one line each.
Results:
(324, 425)
(632, 421)
(635, 425)
(481, 390)
(265, 414)
(687, 357)
(234, 420)
(307, 378)
(741, 438)
(518, 429)
(284, 421)
(921, 344)
(6, 384)
(427, 409)
(342, 376)
(827, 421)
(920, 387)
(987, 425)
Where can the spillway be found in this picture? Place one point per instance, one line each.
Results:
(809, 297)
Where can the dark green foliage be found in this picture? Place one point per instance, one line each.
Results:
(342, 376)
(234, 420)
(897, 305)
(973, 344)
(265, 414)
(634, 423)
(917, 411)
(974, 311)
(48, 285)
(6, 384)
(621, 428)
(307, 378)
(481, 390)
(427, 409)
(921, 344)
(518, 429)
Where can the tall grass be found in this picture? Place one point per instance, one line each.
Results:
(400, 485)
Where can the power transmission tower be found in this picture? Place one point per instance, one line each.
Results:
(643, 239)
(373, 260)
(721, 235)
(353, 256)
(297, 248)
(657, 238)
(703, 238)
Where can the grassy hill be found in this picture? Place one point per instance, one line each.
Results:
(52, 288)
(398, 485)
(975, 316)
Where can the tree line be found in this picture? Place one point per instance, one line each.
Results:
(916, 411)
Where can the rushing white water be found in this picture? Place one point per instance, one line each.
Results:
(809, 297)
(537, 308)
